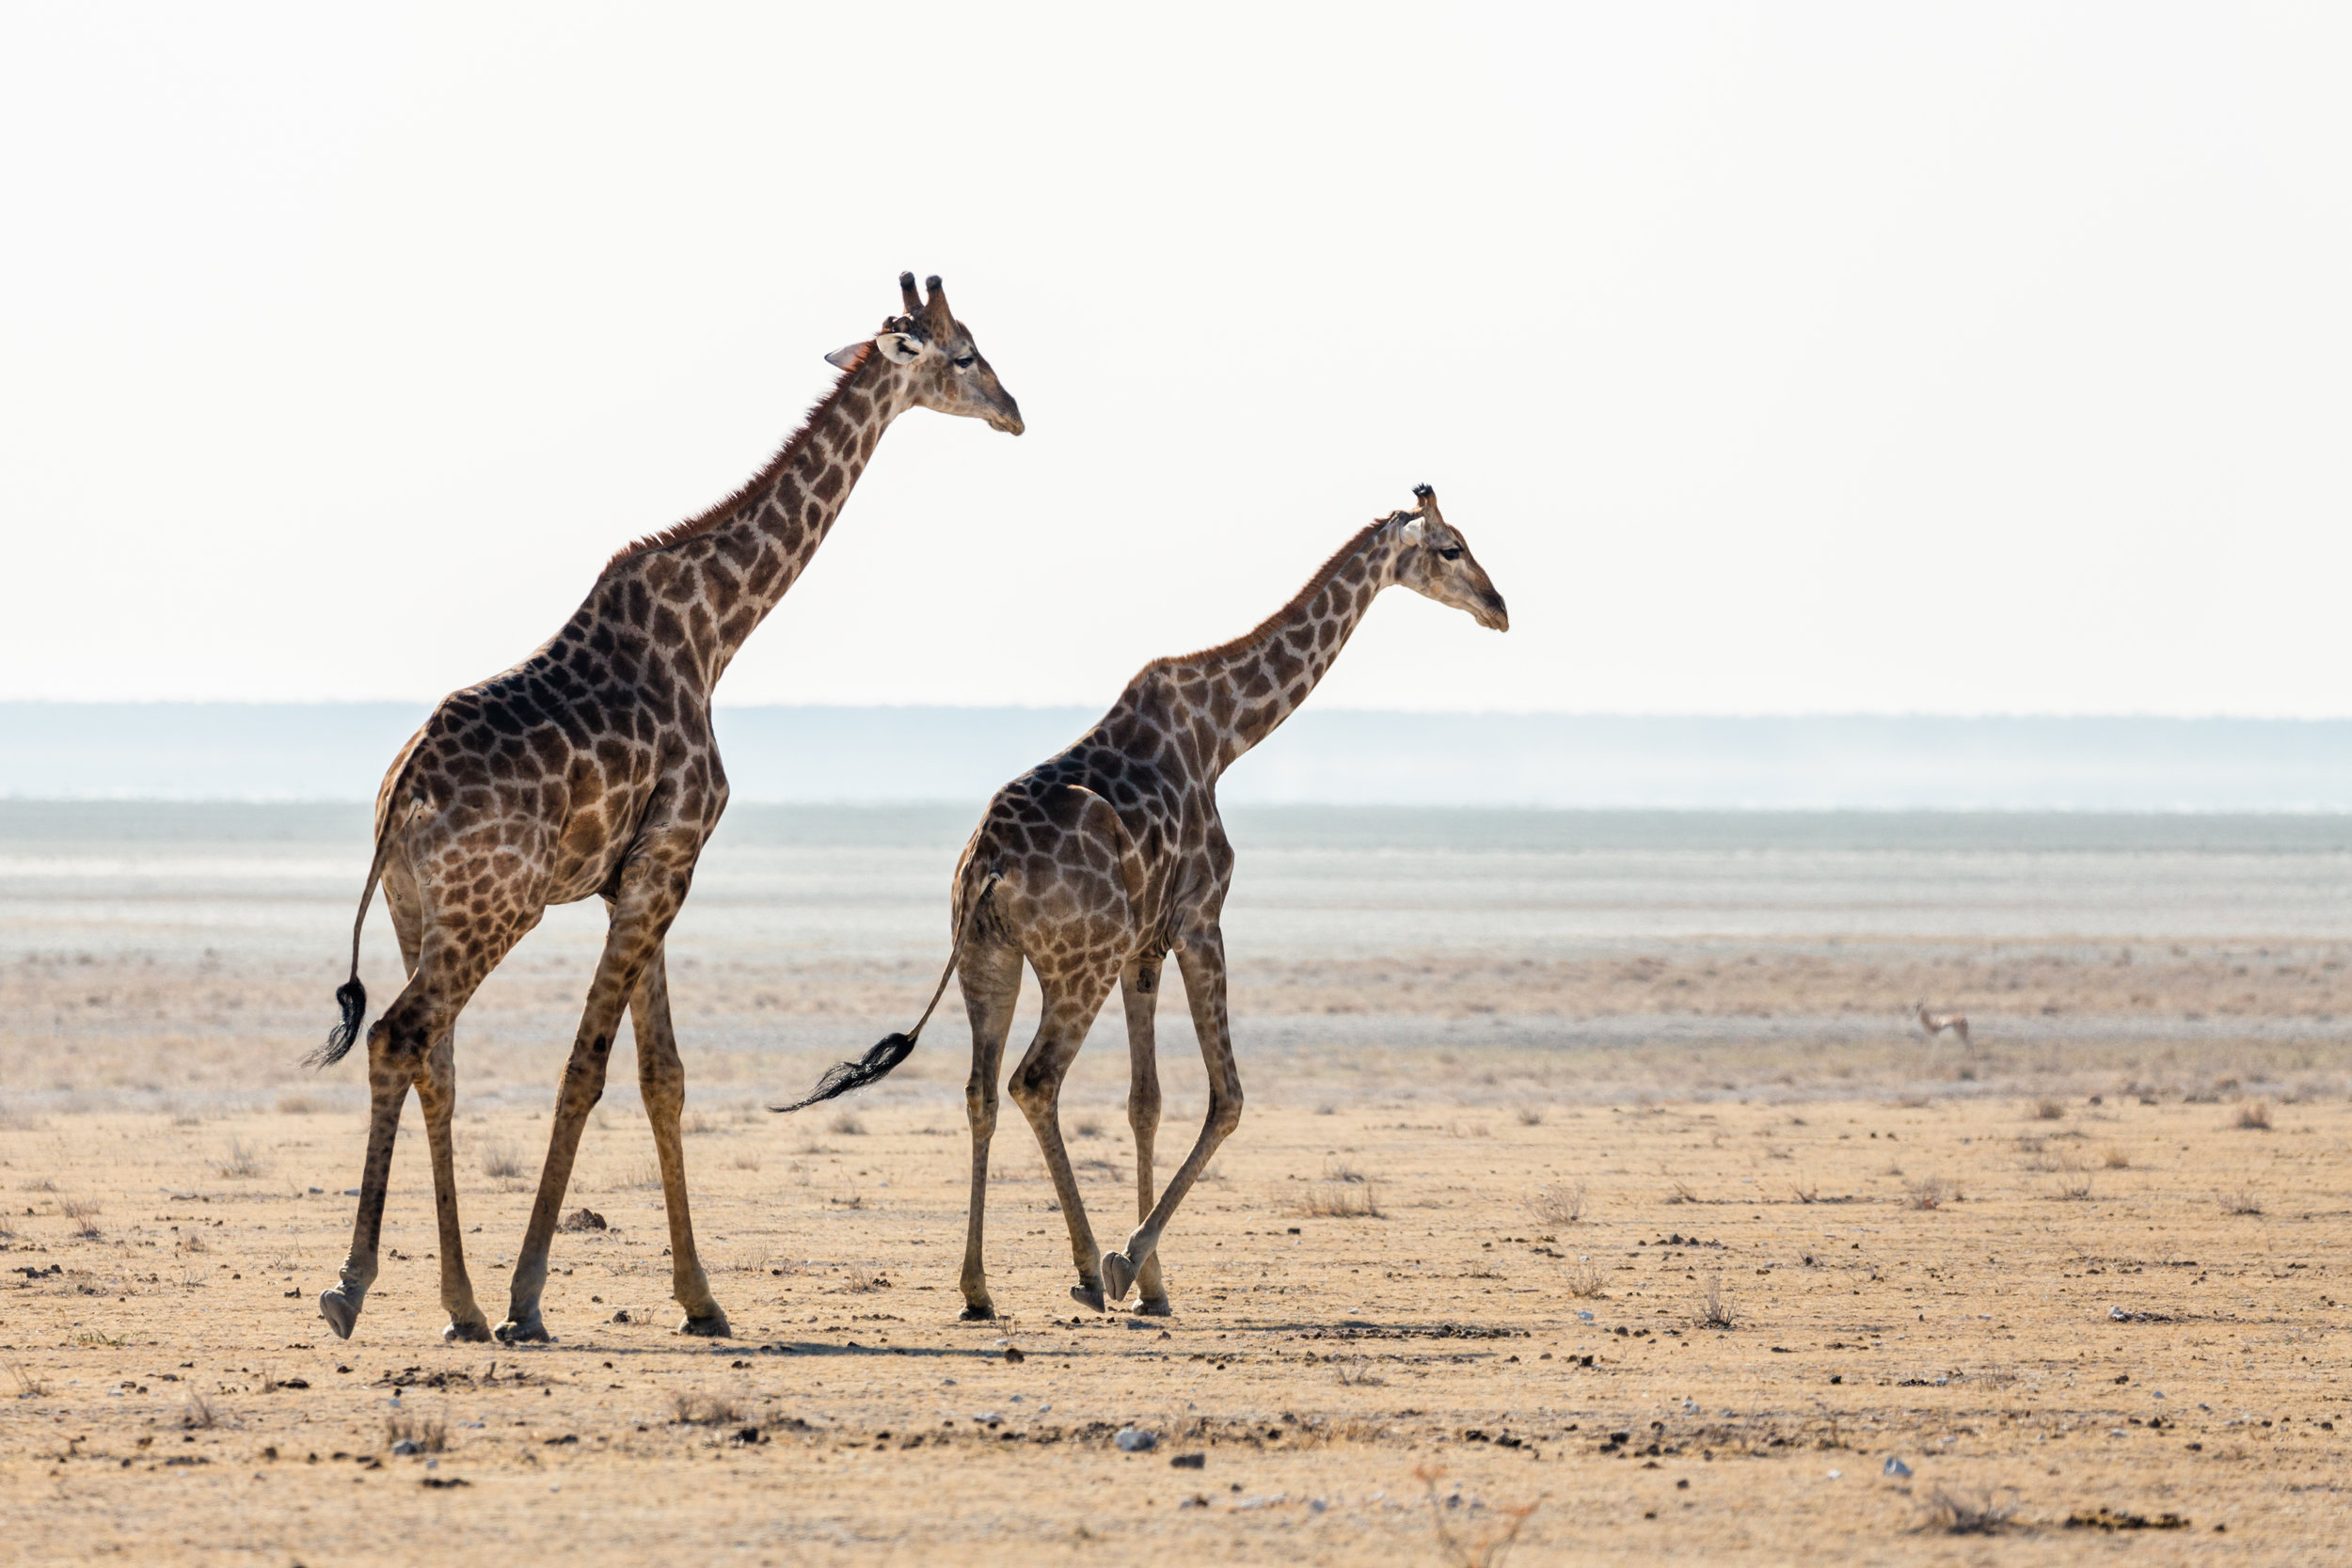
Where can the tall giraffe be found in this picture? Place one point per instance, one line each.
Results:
(1097, 864)
(589, 769)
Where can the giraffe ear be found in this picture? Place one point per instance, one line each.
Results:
(899, 347)
(1412, 532)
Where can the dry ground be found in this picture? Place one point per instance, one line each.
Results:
(2048, 1310)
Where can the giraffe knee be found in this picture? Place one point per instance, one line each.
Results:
(1225, 1112)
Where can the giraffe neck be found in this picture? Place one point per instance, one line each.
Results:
(700, 589)
(1247, 687)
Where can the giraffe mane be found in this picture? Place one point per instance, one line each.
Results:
(1265, 629)
(712, 517)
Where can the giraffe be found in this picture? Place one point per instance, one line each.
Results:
(1095, 866)
(589, 769)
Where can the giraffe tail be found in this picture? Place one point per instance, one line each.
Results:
(891, 1050)
(351, 996)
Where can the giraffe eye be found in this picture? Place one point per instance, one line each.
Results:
(965, 362)
(1450, 553)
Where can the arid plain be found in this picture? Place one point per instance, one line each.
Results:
(1592, 1186)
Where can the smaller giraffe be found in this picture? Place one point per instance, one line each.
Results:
(1937, 1023)
(1096, 865)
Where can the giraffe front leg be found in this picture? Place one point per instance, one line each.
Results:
(1202, 961)
(647, 902)
(1140, 988)
(661, 1084)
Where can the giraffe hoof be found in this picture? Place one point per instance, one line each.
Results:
(977, 1313)
(711, 1327)
(1086, 1298)
(1118, 1275)
(465, 1331)
(529, 1332)
(340, 1311)
(1154, 1308)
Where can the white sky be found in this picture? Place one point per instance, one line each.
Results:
(1774, 358)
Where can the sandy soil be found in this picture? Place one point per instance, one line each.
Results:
(2056, 1311)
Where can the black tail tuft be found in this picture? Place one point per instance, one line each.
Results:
(353, 998)
(844, 1076)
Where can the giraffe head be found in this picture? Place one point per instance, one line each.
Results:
(946, 369)
(1433, 560)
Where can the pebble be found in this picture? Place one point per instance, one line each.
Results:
(1136, 1440)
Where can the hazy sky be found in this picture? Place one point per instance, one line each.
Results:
(1774, 358)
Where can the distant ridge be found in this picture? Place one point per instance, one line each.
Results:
(337, 752)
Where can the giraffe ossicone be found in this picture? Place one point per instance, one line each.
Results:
(1095, 867)
(590, 770)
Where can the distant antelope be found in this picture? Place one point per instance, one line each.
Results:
(1936, 1024)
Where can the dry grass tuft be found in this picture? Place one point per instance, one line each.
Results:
(746, 1160)
(2241, 1203)
(501, 1162)
(1531, 1116)
(2073, 1183)
(1927, 1192)
(429, 1435)
(1485, 1549)
(1715, 1308)
(696, 1123)
(2114, 1159)
(84, 1213)
(28, 1385)
(240, 1161)
(1559, 1203)
(298, 1105)
(1356, 1371)
(1088, 1126)
(2048, 1110)
(847, 1125)
(704, 1409)
(2255, 1116)
(1981, 1511)
(198, 1413)
(1342, 1201)
(1584, 1283)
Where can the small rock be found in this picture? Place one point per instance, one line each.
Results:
(622, 1316)
(1136, 1440)
(1189, 1462)
(1013, 1354)
(407, 1446)
(1895, 1468)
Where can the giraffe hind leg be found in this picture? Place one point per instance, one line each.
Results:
(1139, 990)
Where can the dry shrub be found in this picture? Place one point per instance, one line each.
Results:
(1682, 1192)
(28, 1385)
(198, 1413)
(2241, 1203)
(1980, 1511)
(1087, 1127)
(240, 1161)
(1559, 1203)
(1342, 1201)
(1531, 1116)
(746, 1160)
(84, 1213)
(2114, 1159)
(695, 1123)
(1714, 1307)
(1584, 1283)
(707, 1409)
(1491, 1545)
(298, 1105)
(430, 1435)
(2255, 1116)
(1340, 1170)
(1356, 1371)
(1326, 1109)
(847, 1125)
(501, 1162)
(2048, 1110)
(2073, 1183)
(1929, 1191)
